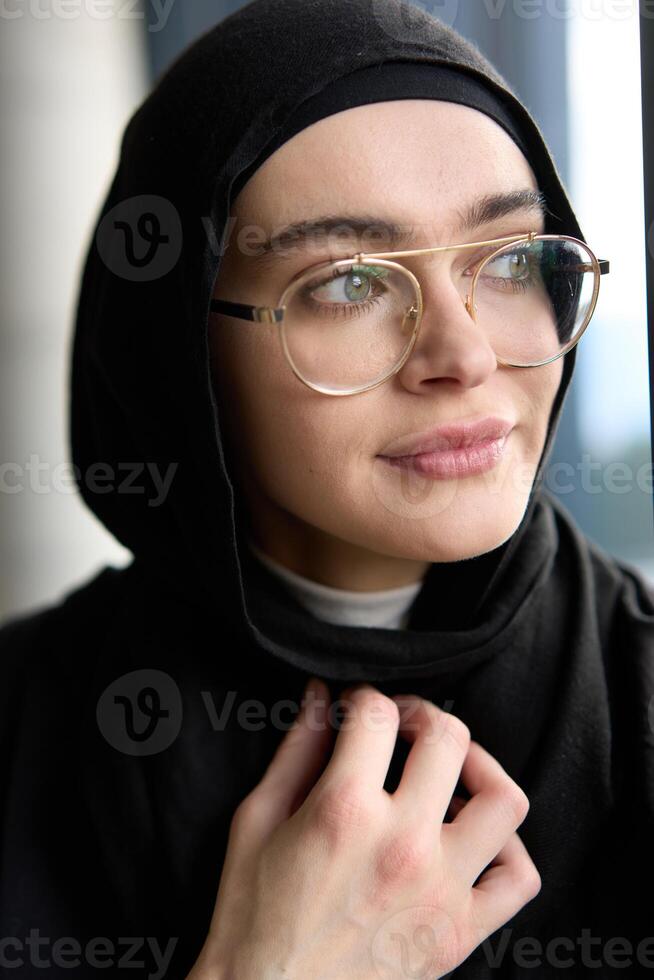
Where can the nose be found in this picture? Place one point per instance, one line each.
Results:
(451, 344)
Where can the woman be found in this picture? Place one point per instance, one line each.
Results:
(259, 473)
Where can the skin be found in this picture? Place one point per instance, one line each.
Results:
(327, 875)
(319, 499)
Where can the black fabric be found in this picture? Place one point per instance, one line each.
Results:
(552, 670)
(386, 82)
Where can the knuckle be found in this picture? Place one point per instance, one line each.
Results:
(403, 857)
(529, 879)
(244, 813)
(340, 811)
(454, 731)
(382, 705)
(370, 701)
(509, 802)
(516, 801)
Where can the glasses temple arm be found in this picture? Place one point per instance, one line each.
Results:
(260, 314)
(585, 267)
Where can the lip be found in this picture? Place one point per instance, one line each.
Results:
(452, 436)
(447, 464)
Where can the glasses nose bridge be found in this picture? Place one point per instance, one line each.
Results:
(432, 283)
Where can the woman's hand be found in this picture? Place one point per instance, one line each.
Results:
(328, 876)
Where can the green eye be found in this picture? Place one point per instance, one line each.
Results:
(359, 279)
(353, 285)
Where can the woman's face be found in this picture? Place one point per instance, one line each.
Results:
(320, 497)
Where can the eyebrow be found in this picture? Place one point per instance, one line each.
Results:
(305, 234)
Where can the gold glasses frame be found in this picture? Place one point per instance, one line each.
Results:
(275, 314)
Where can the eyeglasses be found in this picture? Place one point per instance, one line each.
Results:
(347, 326)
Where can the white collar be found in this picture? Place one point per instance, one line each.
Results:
(385, 608)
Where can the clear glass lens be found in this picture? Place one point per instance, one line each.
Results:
(534, 299)
(348, 325)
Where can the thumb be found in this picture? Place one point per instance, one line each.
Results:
(298, 759)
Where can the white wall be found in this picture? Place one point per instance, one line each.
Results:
(67, 87)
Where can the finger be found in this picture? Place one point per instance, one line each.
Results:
(299, 757)
(366, 738)
(505, 887)
(455, 805)
(431, 771)
(496, 808)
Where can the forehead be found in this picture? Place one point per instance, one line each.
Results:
(427, 158)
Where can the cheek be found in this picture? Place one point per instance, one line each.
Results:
(291, 438)
(305, 452)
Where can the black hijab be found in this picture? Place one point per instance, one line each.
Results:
(552, 669)
(195, 141)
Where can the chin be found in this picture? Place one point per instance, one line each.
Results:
(455, 536)
(477, 535)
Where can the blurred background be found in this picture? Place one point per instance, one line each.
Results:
(71, 74)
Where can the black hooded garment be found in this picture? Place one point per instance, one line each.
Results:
(128, 736)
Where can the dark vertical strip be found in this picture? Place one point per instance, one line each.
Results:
(646, 20)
